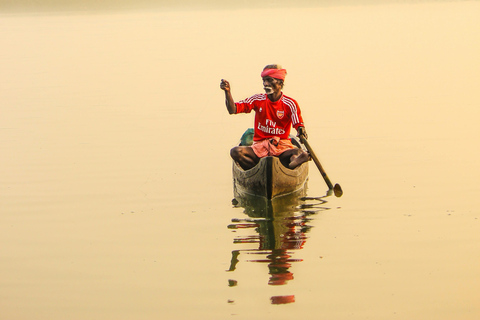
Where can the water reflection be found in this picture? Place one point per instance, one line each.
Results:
(278, 229)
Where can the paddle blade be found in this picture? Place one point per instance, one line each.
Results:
(337, 190)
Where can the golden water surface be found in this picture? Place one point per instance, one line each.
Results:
(115, 176)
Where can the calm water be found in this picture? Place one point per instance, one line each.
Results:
(115, 180)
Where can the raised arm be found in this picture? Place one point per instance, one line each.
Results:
(229, 102)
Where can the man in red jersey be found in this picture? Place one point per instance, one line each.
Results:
(275, 114)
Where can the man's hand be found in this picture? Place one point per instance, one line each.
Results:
(224, 85)
(231, 107)
(302, 132)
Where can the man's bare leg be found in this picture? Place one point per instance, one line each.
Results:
(297, 160)
(294, 157)
(245, 156)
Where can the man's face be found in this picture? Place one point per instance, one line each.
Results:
(271, 85)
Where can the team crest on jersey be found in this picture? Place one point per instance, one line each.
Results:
(280, 114)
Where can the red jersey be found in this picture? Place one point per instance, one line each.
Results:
(272, 119)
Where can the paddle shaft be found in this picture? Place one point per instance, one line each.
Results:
(317, 162)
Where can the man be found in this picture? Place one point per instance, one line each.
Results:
(275, 114)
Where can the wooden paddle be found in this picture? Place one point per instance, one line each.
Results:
(337, 190)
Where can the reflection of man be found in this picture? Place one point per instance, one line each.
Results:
(275, 114)
(279, 265)
(281, 229)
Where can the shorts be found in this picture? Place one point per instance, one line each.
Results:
(271, 147)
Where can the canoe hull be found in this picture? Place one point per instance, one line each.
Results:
(269, 179)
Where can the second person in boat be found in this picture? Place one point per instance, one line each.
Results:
(275, 114)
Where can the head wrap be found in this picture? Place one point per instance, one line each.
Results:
(275, 73)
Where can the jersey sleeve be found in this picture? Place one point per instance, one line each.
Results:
(295, 113)
(249, 104)
(244, 106)
(297, 120)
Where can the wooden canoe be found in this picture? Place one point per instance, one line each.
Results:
(269, 179)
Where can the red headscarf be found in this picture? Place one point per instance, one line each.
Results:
(275, 73)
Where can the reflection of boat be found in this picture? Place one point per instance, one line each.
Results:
(273, 231)
(279, 222)
(269, 178)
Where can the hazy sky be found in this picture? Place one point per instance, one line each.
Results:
(68, 5)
